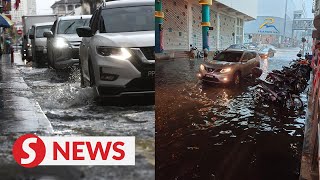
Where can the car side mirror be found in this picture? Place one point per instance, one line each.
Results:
(48, 34)
(31, 36)
(84, 31)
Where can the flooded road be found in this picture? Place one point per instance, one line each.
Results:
(72, 111)
(221, 133)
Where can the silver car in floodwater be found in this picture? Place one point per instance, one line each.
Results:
(63, 42)
(39, 42)
(117, 51)
(229, 66)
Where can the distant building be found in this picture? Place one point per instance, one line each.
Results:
(65, 7)
(182, 26)
(274, 24)
(26, 8)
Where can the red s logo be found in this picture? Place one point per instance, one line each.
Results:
(29, 150)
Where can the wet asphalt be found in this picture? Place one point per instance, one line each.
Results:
(221, 133)
(73, 111)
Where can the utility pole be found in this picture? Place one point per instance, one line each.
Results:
(159, 15)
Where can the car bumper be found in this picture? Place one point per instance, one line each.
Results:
(215, 77)
(65, 58)
(123, 77)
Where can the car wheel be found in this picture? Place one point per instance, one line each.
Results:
(91, 73)
(236, 79)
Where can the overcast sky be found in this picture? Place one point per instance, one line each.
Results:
(43, 6)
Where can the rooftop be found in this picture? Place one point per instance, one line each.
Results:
(65, 2)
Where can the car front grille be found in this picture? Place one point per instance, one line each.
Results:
(75, 43)
(214, 79)
(144, 67)
(209, 69)
(75, 53)
(148, 52)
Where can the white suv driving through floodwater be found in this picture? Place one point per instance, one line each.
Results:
(117, 49)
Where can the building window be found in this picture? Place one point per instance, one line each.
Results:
(239, 31)
(62, 8)
(70, 8)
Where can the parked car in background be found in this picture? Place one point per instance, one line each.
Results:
(251, 46)
(39, 42)
(266, 51)
(229, 66)
(27, 22)
(63, 42)
(237, 46)
(117, 52)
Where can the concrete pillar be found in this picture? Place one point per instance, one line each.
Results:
(235, 32)
(190, 21)
(66, 8)
(205, 22)
(218, 30)
(159, 15)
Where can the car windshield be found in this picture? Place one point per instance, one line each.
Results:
(264, 50)
(70, 26)
(128, 19)
(41, 29)
(229, 56)
(235, 46)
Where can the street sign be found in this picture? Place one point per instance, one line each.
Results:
(19, 31)
(302, 24)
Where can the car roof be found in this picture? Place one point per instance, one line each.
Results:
(234, 50)
(75, 17)
(239, 50)
(43, 24)
(127, 3)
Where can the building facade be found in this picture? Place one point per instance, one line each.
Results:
(274, 24)
(65, 7)
(26, 8)
(183, 26)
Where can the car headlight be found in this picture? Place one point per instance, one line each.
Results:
(202, 68)
(225, 70)
(116, 53)
(61, 43)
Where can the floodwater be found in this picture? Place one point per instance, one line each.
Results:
(221, 133)
(72, 111)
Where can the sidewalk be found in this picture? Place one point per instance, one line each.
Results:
(19, 112)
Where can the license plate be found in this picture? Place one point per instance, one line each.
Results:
(209, 75)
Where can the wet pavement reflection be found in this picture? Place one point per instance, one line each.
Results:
(221, 133)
